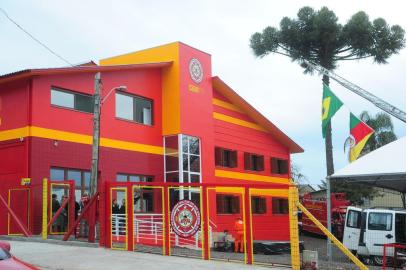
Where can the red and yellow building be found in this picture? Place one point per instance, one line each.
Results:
(173, 122)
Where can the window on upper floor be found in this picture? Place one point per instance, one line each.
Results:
(71, 100)
(280, 206)
(134, 108)
(279, 166)
(258, 205)
(227, 204)
(253, 162)
(225, 157)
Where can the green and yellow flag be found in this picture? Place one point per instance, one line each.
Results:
(330, 105)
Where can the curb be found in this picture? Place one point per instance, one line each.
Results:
(38, 239)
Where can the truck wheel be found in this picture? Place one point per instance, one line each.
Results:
(378, 260)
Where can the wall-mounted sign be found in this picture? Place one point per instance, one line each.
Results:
(25, 181)
(185, 218)
(195, 70)
(194, 88)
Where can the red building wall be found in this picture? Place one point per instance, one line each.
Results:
(266, 226)
(28, 103)
(145, 83)
(13, 153)
(195, 106)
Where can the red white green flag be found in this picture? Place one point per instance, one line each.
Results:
(360, 133)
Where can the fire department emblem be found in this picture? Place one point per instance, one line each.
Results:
(195, 70)
(185, 218)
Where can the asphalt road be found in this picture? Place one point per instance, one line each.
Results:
(63, 257)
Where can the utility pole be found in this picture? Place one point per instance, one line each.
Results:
(96, 134)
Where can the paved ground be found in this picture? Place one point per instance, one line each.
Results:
(62, 257)
(340, 261)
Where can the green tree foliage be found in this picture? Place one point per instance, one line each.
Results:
(384, 131)
(355, 193)
(317, 36)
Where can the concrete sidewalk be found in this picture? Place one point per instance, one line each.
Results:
(61, 257)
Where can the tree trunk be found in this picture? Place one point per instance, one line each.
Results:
(328, 140)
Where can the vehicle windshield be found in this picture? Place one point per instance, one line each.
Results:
(380, 221)
(4, 254)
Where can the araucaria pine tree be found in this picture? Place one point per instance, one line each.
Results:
(318, 37)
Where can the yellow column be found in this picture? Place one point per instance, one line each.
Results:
(294, 229)
(45, 208)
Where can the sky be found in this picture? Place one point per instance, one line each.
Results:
(95, 29)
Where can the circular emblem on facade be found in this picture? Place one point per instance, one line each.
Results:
(185, 218)
(195, 70)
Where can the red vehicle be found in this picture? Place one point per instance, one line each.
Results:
(9, 262)
(318, 208)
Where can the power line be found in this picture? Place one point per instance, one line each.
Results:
(34, 38)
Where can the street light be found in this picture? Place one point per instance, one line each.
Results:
(98, 102)
(120, 88)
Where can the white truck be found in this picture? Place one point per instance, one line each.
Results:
(367, 230)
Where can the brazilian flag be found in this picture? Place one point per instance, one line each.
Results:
(330, 105)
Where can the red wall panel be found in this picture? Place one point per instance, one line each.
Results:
(14, 105)
(145, 83)
(12, 169)
(47, 154)
(196, 104)
(243, 139)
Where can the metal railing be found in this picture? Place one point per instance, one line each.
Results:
(148, 228)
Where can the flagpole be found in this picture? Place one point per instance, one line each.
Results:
(329, 249)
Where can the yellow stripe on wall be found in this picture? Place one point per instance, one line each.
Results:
(54, 134)
(14, 133)
(226, 105)
(284, 193)
(236, 121)
(234, 190)
(251, 177)
(77, 138)
(137, 147)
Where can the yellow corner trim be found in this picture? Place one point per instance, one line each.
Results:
(14, 133)
(251, 177)
(77, 138)
(236, 121)
(226, 105)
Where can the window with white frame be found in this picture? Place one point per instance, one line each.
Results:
(183, 163)
(191, 159)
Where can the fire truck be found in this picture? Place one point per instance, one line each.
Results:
(318, 208)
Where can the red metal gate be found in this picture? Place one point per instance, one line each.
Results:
(19, 200)
(61, 202)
